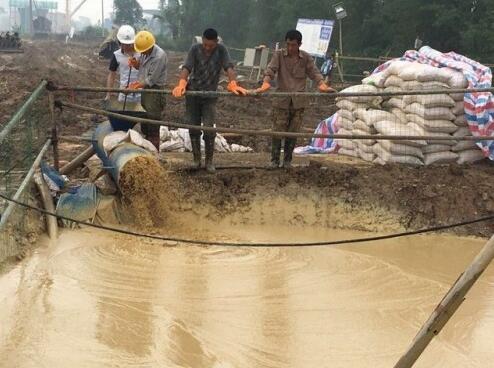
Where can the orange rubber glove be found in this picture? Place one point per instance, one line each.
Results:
(265, 87)
(136, 85)
(234, 88)
(323, 87)
(134, 63)
(179, 90)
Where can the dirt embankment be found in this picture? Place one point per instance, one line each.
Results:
(344, 194)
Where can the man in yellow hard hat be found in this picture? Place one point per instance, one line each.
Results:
(201, 72)
(152, 67)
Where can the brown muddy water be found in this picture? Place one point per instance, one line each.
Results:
(99, 300)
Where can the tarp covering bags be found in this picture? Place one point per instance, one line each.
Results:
(322, 145)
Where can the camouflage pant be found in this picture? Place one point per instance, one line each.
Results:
(287, 120)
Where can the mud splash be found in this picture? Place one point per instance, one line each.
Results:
(96, 300)
(145, 192)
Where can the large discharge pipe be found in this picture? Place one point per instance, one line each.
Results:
(115, 161)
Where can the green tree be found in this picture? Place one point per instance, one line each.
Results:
(372, 28)
(128, 12)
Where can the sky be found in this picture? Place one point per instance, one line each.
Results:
(92, 8)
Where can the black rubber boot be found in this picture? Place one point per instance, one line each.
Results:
(289, 147)
(275, 153)
(209, 142)
(196, 151)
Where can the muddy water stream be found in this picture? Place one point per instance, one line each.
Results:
(95, 300)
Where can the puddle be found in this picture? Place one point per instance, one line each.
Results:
(96, 300)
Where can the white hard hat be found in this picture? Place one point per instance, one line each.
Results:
(126, 35)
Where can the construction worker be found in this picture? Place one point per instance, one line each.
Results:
(291, 66)
(119, 62)
(201, 72)
(152, 75)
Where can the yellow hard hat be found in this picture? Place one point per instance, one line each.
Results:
(144, 41)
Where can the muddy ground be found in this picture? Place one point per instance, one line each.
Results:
(79, 65)
(397, 197)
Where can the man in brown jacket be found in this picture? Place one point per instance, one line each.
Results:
(292, 67)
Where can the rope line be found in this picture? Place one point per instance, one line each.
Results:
(251, 245)
(53, 87)
(268, 133)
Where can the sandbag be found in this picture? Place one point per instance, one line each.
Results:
(366, 156)
(422, 132)
(470, 156)
(343, 131)
(387, 157)
(393, 81)
(434, 113)
(376, 79)
(345, 123)
(400, 115)
(459, 108)
(425, 73)
(461, 121)
(346, 114)
(348, 152)
(345, 143)
(442, 100)
(394, 128)
(462, 132)
(395, 67)
(349, 105)
(361, 99)
(372, 116)
(455, 79)
(364, 147)
(379, 161)
(360, 125)
(393, 89)
(420, 72)
(433, 148)
(396, 148)
(464, 145)
(440, 126)
(364, 141)
(394, 102)
(411, 72)
(420, 86)
(458, 96)
(440, 158)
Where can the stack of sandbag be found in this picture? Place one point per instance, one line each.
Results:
(350, 125)
(402, 151)
(430, 115)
